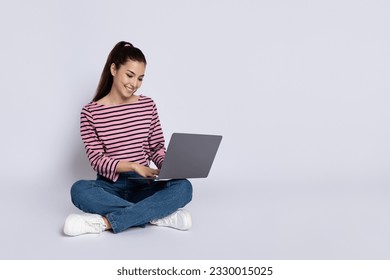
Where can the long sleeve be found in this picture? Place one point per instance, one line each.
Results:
(95, 148)
(156, 140)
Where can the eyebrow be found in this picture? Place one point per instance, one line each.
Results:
(134, 73)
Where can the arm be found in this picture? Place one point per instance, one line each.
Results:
(156, 140)
(94, 148)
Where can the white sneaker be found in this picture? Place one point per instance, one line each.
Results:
(76, 224)
(181, 219)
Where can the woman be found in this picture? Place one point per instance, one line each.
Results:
(121, 132)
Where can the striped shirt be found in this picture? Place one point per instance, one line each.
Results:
(127, 132)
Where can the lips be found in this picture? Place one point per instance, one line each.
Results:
(130, 89)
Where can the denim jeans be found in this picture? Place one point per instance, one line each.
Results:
(130, 202)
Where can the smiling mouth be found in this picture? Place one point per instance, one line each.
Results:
(130, 89)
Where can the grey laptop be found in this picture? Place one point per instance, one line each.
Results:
(188, 156)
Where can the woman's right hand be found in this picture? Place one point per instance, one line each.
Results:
(145, 171)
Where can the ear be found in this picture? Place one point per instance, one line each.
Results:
(113, 69)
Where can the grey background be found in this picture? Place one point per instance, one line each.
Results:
(299, 89)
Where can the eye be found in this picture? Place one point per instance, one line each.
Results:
(130, 76)
(140, 79)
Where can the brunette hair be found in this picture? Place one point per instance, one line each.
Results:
(119, 55)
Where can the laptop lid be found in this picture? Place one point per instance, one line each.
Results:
(189, 156)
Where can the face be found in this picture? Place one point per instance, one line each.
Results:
(127, 79)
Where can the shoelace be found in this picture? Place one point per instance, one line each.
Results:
(171, 218)
(98, 225)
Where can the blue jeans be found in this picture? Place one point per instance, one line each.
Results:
(129, 203)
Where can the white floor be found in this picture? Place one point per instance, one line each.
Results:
(231, 221)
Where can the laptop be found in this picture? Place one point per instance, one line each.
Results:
(188, 156)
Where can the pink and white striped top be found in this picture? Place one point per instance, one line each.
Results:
(127, 132)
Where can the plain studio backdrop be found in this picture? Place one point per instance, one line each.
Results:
(299, 90)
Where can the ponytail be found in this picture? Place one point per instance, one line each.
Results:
(119, 55)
